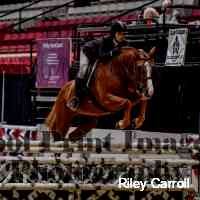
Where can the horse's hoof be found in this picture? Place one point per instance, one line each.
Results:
(138, 122)
(119, 125)
(75, 139)
(57, 138)
(133, 125)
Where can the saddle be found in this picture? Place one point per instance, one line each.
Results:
(82, 88)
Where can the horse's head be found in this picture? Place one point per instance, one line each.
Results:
(144, 67)
(138, 68)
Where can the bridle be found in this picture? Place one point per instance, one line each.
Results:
(146, 89)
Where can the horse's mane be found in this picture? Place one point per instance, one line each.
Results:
(127, 59)
(126, 64)
(126, 55)
(138, 53)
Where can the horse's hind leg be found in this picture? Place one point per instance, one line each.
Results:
(82, 130)
(62, 123)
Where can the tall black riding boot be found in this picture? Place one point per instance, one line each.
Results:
(79, 93)
(79, 87)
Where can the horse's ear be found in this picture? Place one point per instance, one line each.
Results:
(152, 52)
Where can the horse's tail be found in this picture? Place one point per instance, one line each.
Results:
(63, 95)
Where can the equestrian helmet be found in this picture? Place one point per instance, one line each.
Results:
(118, 26)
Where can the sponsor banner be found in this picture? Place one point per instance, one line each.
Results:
(53, 62)
(177, 42)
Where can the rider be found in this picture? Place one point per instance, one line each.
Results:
(106, 47)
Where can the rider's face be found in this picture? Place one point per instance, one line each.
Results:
(119, 36)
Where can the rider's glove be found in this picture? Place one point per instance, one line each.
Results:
(114, 52)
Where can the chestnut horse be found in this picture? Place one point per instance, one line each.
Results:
(118, 84)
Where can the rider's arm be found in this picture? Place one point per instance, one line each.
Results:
(109, 54)
(87, 50)
(97, 49)
(106, 49)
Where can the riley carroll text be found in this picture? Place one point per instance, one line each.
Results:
(130, 183)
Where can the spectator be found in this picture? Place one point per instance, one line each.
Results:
(171, 15)
(150, 15)
(140, 20)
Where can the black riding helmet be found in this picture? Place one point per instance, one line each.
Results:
(117, 26)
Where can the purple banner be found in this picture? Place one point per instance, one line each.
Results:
(53, 59)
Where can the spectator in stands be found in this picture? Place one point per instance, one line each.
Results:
(150, 16)
(140, 20)
(169, 15)
(104, 48)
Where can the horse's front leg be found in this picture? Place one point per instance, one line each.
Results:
(141, 115)
(126, 121)
(114, 103)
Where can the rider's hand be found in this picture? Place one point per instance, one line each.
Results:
(115, 51)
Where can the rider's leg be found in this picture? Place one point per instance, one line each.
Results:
(84, 62)
(80, 81)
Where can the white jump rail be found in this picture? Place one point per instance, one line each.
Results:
(96, 159)
(86, 143)
(71, 186)
(30, 128)
(117, 142)
(64, 147)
